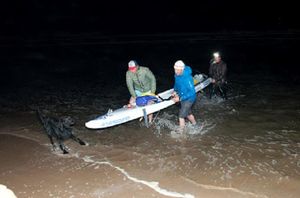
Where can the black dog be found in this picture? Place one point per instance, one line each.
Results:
(60, 129)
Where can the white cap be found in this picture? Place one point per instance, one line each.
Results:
(132, 63)
(179, 64)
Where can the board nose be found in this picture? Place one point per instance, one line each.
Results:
(90, 125)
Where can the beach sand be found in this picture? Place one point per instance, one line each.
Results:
(31, 169)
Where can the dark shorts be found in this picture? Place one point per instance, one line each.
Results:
(186, 108)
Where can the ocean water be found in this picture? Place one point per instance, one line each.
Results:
(248, 145)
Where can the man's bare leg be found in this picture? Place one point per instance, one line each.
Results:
(181, 123)
(150, 118)
(191, 118)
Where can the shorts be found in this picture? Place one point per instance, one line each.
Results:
(186, 108)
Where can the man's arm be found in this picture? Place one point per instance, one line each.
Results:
(190, 90)
(210, 72)
(129, 83)
(153, 81)
(224, 72)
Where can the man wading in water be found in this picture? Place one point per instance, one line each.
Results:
(184, 92)
(140, 82)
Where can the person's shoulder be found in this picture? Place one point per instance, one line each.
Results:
(224, 64)
(128, 73)
(188, 68)
(144, 69)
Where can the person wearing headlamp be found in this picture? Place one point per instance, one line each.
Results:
(218, 72)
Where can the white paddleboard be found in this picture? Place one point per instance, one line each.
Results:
(125, 114)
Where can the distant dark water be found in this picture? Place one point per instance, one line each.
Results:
(89, 58)
(97, 64)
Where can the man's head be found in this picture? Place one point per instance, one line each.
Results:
(179, 67)
(132, 66)
(217, 57)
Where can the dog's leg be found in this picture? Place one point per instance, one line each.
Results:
(62, 147)
(51, 140)
(77, 140)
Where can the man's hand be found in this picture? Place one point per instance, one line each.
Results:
(213, 81)
(176, 98)
(131, 102)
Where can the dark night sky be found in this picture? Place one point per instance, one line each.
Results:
(35, 16)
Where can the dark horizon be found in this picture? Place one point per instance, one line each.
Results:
(34, 17)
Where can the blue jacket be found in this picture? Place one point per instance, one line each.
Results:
(184, 85)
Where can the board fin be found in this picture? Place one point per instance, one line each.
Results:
(146, 118)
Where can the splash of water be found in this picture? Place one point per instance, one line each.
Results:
(167, 122)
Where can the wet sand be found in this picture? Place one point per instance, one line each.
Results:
(31, 169)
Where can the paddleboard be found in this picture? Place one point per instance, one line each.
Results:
(125, 114)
